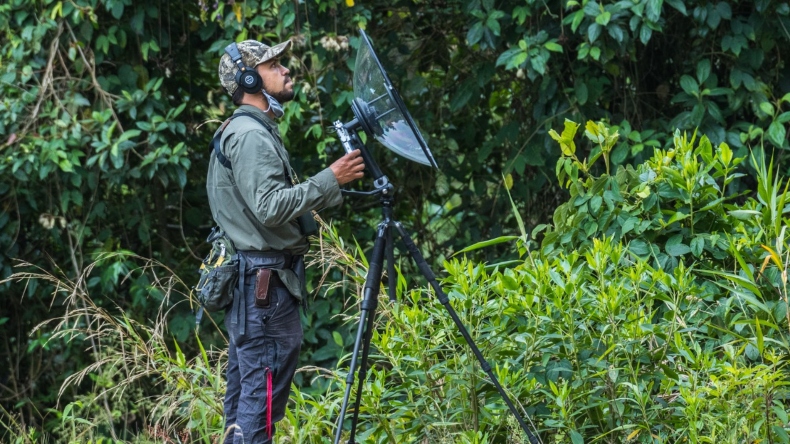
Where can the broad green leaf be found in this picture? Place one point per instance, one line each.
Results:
(493, 24)
(644, 34)
(475, 33)
(697, 246)
(703, 70)
(724, 10)
(781, 413)
(505, 57)
(520, 14)
(653, 10)
(780, 432)
(679, 5)
(767, 108)
(595, 204)
(675, 246)
(677, 216)
(517, 60)
(578, 16)
(553, 46)
(777, 134)
(713, 18)
(117, 9)
(689, 85)
(538, 63)
(581, 93)
(616, 32)
(603, 18)
(593, 31)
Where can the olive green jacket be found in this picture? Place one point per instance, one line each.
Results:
(255, 203)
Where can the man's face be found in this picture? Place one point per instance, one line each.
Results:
(276, 80)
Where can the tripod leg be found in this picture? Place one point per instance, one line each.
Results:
(392, 277)
(372, 287)
(362, 341)
(442, 296)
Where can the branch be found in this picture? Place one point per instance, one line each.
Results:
(46, 81)
(106, 97)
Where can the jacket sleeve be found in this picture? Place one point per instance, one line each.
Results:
(260, 177)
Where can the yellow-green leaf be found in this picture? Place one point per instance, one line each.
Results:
(775, 257)
(567, 144)
(509, 181)
(57, 11)
(725, 153)
(593, 132)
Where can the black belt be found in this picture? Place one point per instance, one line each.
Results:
(276, 282)
(288, 258)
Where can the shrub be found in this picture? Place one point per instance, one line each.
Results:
(655, 310)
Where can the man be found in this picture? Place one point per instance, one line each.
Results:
(254, 200)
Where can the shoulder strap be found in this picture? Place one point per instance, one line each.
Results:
(215, 142)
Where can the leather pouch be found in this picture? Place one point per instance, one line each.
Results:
(263, 288)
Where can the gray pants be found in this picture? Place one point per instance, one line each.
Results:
(261, 364)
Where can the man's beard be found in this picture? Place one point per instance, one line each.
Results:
(283, 95)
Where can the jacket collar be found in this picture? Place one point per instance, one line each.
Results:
(257, 112)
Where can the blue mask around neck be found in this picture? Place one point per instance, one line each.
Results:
(274, 105)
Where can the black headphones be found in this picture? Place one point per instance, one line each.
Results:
(247, 78)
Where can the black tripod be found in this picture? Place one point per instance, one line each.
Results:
(384, 245)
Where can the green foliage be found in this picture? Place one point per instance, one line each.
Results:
(648, 327)
(675, 206)
(594, 338)
(107, 107)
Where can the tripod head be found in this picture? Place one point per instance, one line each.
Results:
(350, 140)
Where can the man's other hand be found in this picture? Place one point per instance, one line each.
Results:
(348, 167)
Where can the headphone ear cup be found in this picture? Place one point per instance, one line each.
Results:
(249, 81)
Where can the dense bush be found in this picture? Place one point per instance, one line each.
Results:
(654, 311)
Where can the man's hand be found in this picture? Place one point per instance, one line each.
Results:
(348, 167)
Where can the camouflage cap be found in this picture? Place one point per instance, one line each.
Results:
(253, 53)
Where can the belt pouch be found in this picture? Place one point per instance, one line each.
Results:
(262, 286)
(307, 224)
